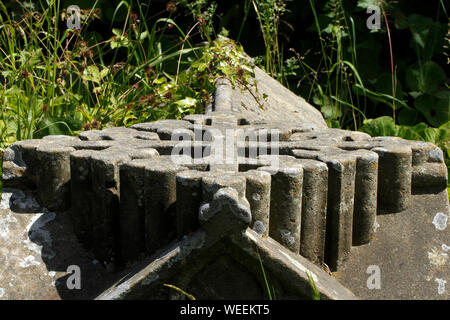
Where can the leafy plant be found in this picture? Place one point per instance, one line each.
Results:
(333, 79)
(190, 91)
(269, 14)
(203, 11)
(69, 80)
(385, 126)
(1, 169)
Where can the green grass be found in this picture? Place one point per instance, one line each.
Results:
(69, 81)
(187, 295)
(1, 180)
(316, 294)
(270, 292)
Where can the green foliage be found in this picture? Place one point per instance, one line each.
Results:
(1, 167)
(345, 78)
(385, 126)
(145, 67)
(269, 14)
(191, 90)
(69, 81)
(203, 11)
(435, 108)
(333, 79)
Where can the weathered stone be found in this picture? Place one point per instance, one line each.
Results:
(257, 192)
(165, 129)
(365, 207)
(53, 186)
(407, 258)
(430, 175)
(189, 199)
(341, 190)
(242, 185)
(20, 164)
(211, 184)
(286, 208)
(226, 213)
(81, 191)
(314, 210)
(132, 210)
(160, 197)
(105, 205)
(394, 178)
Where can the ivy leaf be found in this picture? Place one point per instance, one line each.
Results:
(186, 103)
(331, 111)
(382, 126)
(420, 27)
(425, 79)
(434, 108)
(364, 4)
(92, 73)
(159, 81)
(119, 40)
(407, 116)
(143, 35)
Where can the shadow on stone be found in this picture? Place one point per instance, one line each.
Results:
(51, 236)
(60, 250)
(424, 191)
(23, 202)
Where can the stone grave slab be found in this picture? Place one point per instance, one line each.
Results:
(207, 202)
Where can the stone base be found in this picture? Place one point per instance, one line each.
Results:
(411, 252)
(38, 246)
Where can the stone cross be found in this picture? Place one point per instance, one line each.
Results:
(314, 190)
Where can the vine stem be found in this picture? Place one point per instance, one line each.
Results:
(181, 52)
(394, 78)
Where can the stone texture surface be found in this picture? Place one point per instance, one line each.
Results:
(410, 250)
(281, 105)
(37, 247)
